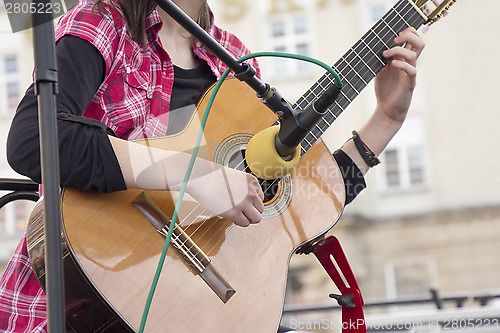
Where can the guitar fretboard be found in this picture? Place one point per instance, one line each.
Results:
(359, 65)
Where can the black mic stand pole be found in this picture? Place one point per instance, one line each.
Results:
(45, 83)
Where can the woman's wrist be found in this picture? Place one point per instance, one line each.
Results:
(375, 134)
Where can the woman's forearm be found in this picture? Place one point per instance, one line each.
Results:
(223, 191)
(376, 135)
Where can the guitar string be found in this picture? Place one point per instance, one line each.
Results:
(361, 73)
(328, 78)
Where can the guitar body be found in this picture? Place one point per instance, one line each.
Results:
(114, 250)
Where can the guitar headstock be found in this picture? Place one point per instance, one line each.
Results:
(434, 9)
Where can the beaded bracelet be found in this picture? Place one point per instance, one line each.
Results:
(368, 156)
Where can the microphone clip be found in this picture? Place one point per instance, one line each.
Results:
(296, 125)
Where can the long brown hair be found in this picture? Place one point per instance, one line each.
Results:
(136, 11)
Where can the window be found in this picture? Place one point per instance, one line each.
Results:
(291, 34)
(373, 10)
(415, 166)
(392, 168)
(295, 286)
(277, 28)
(9, 84)
(410, 276)
(377, 10)
(404, 160)
(10, 63)
(300, 25)
(14, 216)
(404, 167)
(12, 90)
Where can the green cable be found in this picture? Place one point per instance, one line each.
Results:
(193, 159)
(179, 201)
(297, 57)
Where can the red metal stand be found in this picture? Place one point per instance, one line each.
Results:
(330, 254)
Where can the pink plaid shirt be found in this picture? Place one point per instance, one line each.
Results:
(134, 98)
(133, 101)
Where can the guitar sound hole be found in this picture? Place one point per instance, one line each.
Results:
(269, 187)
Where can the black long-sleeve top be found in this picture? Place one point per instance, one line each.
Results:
(87, 159)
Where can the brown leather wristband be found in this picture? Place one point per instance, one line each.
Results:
(368, 156)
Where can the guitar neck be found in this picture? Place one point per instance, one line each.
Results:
(360, 64)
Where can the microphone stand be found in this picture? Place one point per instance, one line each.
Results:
(45, 83)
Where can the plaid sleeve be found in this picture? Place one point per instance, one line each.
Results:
(23, 303)
(98, 28)
(229, 42)
(235, 46)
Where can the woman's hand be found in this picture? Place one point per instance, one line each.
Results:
(230, 193)
(395, 83)
(394, 86)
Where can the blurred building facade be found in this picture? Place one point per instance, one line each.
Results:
(430, 217)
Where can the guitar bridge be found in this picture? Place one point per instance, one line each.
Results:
(189, 250)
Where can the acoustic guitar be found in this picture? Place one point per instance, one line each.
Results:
(217, 277)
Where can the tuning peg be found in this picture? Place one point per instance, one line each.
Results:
(428, 8)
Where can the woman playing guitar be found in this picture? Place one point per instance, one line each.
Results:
(126, 71)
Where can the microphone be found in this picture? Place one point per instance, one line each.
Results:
(294, 129)
(275, 151)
